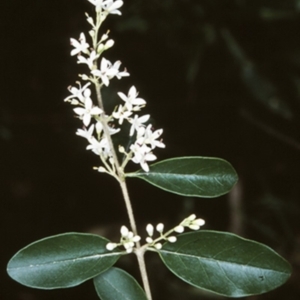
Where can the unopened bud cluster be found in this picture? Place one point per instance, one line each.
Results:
(97, 125)
(191, 222)
(128, 239)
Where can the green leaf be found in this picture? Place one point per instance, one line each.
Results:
(225, 264)
(191, 176)
(61, 261)
(116, 284)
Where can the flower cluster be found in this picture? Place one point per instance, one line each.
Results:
(128, 240)
(191, 222)
(163, 236)
(98, 126)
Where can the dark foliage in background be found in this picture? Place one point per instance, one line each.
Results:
(222, 78)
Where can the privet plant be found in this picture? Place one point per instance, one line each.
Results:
(220, 262)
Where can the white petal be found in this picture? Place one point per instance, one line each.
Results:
(145, 166)
(86, 119)
(79, 111)
(96, 110)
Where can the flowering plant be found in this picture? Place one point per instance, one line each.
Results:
(220, 262)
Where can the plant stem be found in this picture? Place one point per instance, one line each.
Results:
(140, 251)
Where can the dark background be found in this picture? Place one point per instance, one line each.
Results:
(222, 77)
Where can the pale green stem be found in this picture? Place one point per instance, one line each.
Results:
(120, 175)
(140, 252)
(121, 178)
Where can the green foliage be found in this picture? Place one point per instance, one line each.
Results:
(191, 176)
(61, 261)
(116, 284)
(225, 264)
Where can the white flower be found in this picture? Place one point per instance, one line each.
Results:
(128, 239)
(105, 72)
(137, 122)
(86, 133)
(116, 67)
(121, 114)
(108, 71)
(80, 46)
(97, 3)
(85, 113)
(112, 130)
(142, 154)
(131, 99)
(89, 61)
(99, 147)
(151, 137)
(111, 7)
(77, 93)
(96, 146)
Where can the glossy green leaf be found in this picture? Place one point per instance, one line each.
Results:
(61, 261)
(225, 264)
(116, 284)
(191, 176)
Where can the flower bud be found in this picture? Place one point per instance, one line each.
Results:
(99, 127)
(172, 239)
(104, 37)
(150, 229)
(101, 170)
(109, 44)
(199, 222)
(121, 149)
(179, 229)
(124, 231)
(111, 246)
(100, 48)
(149, 240)
(136, 238)
(194, 227)
(191, 217)
(84, 77)
(92, 33)
(160, 227)
(158, 246)
(74, 102)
